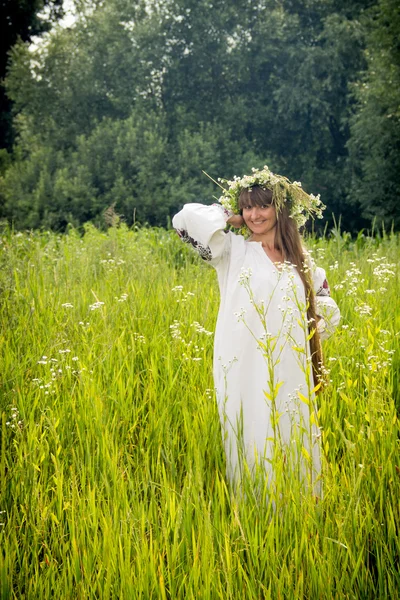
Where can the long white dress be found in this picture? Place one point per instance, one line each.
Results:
(262, 367)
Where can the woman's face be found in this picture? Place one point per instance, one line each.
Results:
(260, 219)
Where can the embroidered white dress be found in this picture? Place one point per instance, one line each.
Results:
(262, 369)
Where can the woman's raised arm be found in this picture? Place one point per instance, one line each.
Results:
(203, 227)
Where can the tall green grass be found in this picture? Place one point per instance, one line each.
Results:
(112, 472)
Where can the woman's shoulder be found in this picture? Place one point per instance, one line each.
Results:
(237, 240)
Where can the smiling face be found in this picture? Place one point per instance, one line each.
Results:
(258, 212)
(260, 219)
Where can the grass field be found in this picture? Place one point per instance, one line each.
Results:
(112, 473)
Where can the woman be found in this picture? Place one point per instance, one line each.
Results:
(267, 352)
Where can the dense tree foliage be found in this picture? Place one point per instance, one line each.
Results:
(375, 140)
(129, 105)
(20, 19)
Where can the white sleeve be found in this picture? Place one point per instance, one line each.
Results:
(327, 309)
(203, 227)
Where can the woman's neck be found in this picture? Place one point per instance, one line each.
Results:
(267, 239)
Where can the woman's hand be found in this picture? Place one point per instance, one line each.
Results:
(236, 221)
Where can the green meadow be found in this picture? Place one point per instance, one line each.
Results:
(112, 474)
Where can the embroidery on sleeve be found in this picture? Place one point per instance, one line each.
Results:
(324, 289)
(204, 251)
(227, 213)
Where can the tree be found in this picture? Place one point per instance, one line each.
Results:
(21, 19)
(375, 127)
(159, 91)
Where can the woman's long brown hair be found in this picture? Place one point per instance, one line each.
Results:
(288, 241)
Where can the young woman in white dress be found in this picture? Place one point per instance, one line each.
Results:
(274, 307)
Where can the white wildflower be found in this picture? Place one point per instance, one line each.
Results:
(123, 298)
(200, 329)
(96, 305)
(245, 275)
(363, 309)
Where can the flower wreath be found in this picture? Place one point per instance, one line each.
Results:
(301, 205)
